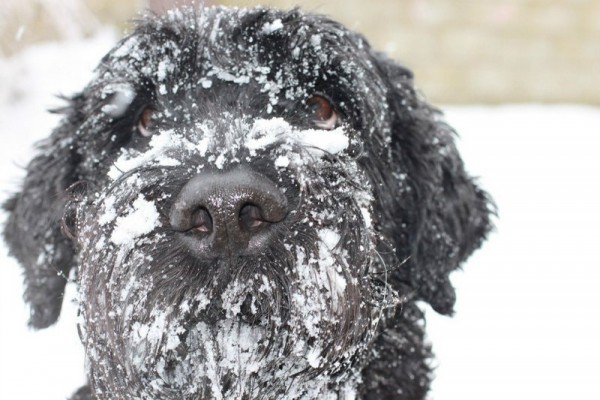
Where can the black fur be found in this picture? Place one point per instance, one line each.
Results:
(327, 321)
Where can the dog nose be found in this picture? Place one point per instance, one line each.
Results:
(228, 213)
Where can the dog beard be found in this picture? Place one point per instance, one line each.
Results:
(293, 321)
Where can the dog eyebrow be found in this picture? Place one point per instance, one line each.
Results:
(120, 97)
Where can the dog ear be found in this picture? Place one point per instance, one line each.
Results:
(33, 227)
(441, 216)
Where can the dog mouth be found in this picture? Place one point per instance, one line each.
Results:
(249, 312)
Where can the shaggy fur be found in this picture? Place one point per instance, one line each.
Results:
(230, 245)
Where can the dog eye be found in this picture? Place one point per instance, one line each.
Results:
(322, 113)
(144, 122)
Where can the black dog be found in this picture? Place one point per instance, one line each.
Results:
(255, 201)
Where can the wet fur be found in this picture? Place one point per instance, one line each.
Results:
(428, 214)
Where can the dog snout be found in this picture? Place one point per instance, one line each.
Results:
(228, 213)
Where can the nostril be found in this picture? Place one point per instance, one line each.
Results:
(251, 217)
(202, 221)
(230, 212)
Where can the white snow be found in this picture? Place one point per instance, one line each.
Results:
(282, 161)
(206, 83)
(266, 132)
(527, 311)
(527, 321)
(143, 219)
(313, 358)
(46, 364)
(334, 142)
(271, 27)
(165, 67)
(123, 96)
(127, 47)
(330, 275)
(316, 41)
(159, 145)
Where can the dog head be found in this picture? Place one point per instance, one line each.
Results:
(252, 195)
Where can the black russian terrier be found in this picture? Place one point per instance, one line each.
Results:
(254, 201)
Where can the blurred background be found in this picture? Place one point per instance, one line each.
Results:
(518, 79)
(462, 51)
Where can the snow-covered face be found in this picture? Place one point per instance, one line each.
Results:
(200, 120)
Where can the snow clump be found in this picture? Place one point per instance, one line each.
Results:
(141, 220)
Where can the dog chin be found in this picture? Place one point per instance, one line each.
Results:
(223, 357)
(238, 356)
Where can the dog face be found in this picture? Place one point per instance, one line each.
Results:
(255, 197)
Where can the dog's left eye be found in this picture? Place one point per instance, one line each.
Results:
(322, 113)
(144, 121)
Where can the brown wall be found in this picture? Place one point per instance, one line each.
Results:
(484, 51)
(462, 51)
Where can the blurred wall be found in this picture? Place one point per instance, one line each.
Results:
(462, 51)
(23, 22)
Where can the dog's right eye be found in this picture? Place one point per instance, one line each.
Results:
(144, 122)
(322, 113)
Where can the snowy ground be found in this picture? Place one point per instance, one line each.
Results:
(527, 323)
